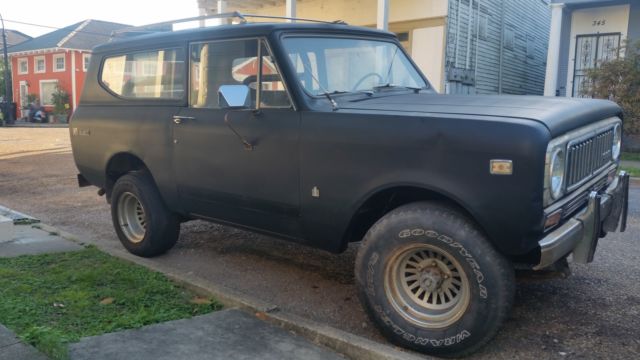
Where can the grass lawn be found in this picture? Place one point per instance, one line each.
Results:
(630, 156)
(54, 299)
(633, 172)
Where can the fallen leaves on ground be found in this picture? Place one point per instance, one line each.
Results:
(107, 301)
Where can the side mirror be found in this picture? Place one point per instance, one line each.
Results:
(234, 97)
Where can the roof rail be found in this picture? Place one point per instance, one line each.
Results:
(341, 22)
(168, 25)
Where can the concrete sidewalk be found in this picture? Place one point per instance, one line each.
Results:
(226, 334)
(11, 348)
(23, 235)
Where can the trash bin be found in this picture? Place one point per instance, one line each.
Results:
(6, 110)
(3, 107)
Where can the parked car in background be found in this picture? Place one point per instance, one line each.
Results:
(326, 134)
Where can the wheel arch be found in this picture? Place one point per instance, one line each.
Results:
(120, 164)
(374, 205)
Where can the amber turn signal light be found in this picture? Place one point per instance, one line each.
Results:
(501, 167)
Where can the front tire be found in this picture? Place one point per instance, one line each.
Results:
(432, 282)
(141, 219)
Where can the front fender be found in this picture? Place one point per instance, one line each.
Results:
(448, 156)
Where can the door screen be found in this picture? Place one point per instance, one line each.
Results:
(591, 51)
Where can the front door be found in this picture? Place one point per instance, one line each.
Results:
(24, 101)
(590, 52)
(218, 175)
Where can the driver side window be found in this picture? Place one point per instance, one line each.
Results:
(234, 62)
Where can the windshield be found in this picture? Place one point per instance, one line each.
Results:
(335, 65)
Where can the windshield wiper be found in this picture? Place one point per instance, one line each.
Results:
(325, 92)
(389, 85)
(382, 86)
(334, 104)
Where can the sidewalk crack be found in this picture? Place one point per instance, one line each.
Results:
(7, 345)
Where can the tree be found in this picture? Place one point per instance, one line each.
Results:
(2, 86)
(619, 80)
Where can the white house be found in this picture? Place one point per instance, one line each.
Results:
(583, 34)
(463, 46)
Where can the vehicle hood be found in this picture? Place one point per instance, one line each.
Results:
(558, 114)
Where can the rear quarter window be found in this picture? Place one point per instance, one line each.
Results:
(155, 74)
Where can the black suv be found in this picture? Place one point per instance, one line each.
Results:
(326, 134)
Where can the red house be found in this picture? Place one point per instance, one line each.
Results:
(59, 58)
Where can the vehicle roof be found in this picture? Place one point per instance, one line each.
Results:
(235, 30)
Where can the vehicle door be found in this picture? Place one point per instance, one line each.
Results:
(238, 165)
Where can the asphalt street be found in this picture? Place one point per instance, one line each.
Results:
(593, 314)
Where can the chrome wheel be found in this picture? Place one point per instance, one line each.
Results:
(427, 286)
(131, 217)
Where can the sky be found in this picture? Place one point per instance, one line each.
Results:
(61, 13)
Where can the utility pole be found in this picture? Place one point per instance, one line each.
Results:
(7, 77)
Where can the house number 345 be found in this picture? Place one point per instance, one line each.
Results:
(600, 22)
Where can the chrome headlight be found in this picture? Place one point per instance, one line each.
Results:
(617, 142)
(556, 172)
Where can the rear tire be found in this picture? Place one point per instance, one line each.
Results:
(432, 282)
(141, 219)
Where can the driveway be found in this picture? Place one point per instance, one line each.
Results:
(593, 314)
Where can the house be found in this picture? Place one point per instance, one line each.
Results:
(14, 37)
(59, 58)
(462, 46)
(583, 34)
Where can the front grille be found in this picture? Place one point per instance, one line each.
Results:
(587, 156)
(580, 201)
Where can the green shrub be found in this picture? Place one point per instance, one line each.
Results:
(619, 80)
(60, 99)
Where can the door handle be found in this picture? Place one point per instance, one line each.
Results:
(179, 119)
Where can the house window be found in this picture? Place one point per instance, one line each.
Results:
(39, 65)
(157, 74)
(47, 88)
(531, 46)
(483, 26)
(58, 62)
(509, 38)
(23, 66)
(85, 62)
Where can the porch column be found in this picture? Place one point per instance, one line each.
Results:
(73, 80)
(553, 55)
(383, 15)
(291, 9)
(202, 12)
(221, 8)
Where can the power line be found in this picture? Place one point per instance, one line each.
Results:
(55, 28)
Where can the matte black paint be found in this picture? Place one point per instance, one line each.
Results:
(394, 138)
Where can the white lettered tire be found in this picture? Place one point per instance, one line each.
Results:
(432, 282)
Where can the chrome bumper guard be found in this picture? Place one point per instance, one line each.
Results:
(580, 234)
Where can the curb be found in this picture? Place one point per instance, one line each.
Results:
(38, 126)
(17, 217)
(351, 345)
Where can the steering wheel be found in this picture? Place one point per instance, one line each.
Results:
(362, 79)
(265, 78)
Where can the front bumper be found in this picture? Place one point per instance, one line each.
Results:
(579, 235)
